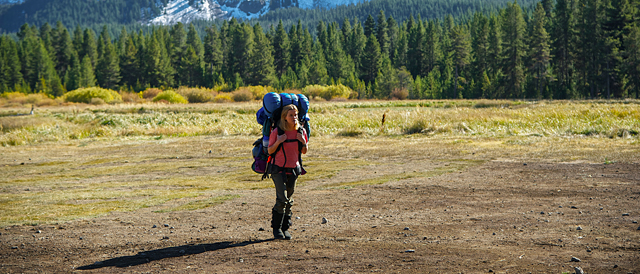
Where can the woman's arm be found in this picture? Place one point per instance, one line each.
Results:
(303, 140)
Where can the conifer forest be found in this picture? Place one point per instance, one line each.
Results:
(564, 49)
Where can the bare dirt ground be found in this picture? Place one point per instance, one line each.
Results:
(461, 212)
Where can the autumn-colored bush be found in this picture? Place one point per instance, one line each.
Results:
(399, 93)
(223, 98)
(131, 97)
(84, 95)
(242, 95)
(327, 92)
(150, 93)
(171, 97)
(196, 95)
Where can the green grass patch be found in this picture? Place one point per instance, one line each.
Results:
(200, 204)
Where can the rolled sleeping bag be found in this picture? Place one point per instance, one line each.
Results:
(270, 102)
(303, 106)
(261, 116)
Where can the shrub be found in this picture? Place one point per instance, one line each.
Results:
(150, 93)
(327, 92)
(131, 97)
(196, 95)
(84, 95)
(171, 97)
(222, 98)
(242, 95)
(400, 93)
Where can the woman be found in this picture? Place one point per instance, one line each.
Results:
(286, 168)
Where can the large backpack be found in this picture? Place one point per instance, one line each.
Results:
(268, 116)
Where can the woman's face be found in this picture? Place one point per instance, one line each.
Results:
(292, 117)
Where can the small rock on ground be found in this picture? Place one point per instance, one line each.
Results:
(574, 259)
(324, 220)
(578, 270)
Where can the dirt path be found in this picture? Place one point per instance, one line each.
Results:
(423, 216)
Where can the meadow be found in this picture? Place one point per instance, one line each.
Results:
(87, 160)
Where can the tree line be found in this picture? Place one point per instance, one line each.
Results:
(563, 50)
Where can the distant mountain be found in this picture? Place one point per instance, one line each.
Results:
(163, 12)
(188, 10)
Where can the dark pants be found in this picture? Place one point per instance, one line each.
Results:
(285, 185)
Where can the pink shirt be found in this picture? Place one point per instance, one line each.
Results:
(291, 148)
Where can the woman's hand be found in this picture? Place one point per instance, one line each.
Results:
(301, 139)
(281, 138)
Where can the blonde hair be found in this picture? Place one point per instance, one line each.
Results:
(282, 124)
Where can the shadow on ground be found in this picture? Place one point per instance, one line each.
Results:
(169, 252)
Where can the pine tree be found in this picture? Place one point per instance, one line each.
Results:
(382, 29)
(191, 68)
(89, 47)
(318, 70)
(176, 48)
(108, 67)
(339, 65)
(371, 59)
(514, 49)
(63, 46)
(261, 62)
(393, 32)
(74, 74)
(158, 63)
(241, 47)
(631, 65)
(369, 26)
(563, 36)
(87, 76)
(431, 50)
(281, 48)
(415, 49)
(78, 39)
(540, 52)
(480, 50)
(460, 48)
(387, 78)
(495, 47)
(590, 47)
(213, 55)
(129, 63)
(356, 48)
(11, 73)
(193, 40)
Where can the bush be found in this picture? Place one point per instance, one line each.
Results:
(150, 93)
(399, 93)
(223, 98)
(84, 95)
(327, 92)
(131, 97)
(171, 97)
(196, 95)
(242, 95)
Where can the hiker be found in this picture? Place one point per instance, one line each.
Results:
(288, 141)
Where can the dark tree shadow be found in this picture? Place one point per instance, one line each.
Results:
(169, 252)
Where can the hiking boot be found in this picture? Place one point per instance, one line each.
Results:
(276, 224)
(286, 224)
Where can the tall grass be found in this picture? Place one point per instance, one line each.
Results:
(433, 118)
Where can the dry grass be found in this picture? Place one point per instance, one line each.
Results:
(434, 118)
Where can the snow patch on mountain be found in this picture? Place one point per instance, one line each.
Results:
(186, 11)
(180, 11)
